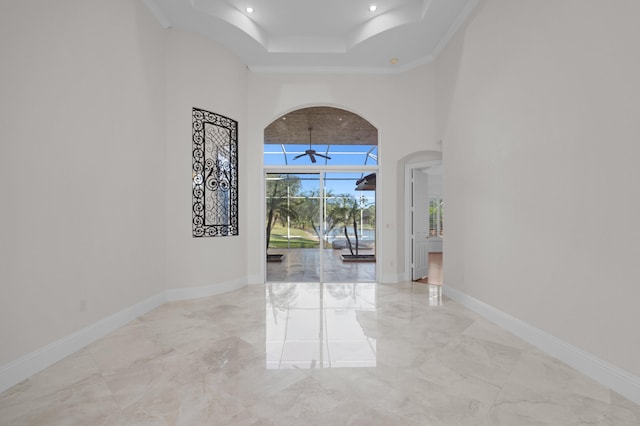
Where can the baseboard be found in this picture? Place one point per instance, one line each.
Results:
(620, 381)
(255, 279)
(204, 291)
(31, 363)
(391, 278)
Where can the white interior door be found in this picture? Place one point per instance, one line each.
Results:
(419, 224)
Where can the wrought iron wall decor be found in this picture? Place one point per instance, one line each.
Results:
(215, 175)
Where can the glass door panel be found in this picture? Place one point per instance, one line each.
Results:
(293, 227)
(349, 208)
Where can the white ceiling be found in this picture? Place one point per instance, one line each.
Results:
(322, 36)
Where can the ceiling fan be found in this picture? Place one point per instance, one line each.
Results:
(311, 152)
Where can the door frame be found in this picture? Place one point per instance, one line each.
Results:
(408, 169)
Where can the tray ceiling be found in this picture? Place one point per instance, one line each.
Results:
(323, 36)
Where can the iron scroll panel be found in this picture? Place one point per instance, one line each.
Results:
(215, 175)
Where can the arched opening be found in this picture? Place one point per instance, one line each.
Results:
(321, 166)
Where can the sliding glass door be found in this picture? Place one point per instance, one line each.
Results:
(293, 226)
(320, 227)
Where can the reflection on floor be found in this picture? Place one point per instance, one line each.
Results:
(224, 360)
(321, 325)
(303, 265)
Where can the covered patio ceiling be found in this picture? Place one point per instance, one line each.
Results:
(330, 126)
(343, 136)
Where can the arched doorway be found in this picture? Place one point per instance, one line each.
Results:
(321, 165)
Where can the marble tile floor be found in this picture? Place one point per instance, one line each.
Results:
(312, 354)
(303, 265)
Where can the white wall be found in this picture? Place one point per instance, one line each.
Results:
(204, 75)
(81, 145)
(541, 177)
(400, 106)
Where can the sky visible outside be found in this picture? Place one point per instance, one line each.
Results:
(341, 155)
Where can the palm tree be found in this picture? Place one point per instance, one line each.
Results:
(308, 212)
(279, 191)
(352, 211)
(344, 212)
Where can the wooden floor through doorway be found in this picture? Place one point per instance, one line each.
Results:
(435, 270)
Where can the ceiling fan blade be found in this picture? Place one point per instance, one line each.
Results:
(313, 158)
(323, 156)
(298, 156)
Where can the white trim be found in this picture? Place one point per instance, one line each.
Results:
(31, 363)
(374, 70)
(255, 279)
(381, 196)
(601, 371)
(408, 208)
(324, 70)
(26, 366)
(205, 291)
(318, 169)
(390, 278)
(453, 29)
(346, 70)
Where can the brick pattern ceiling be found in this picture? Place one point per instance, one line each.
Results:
(330, 126)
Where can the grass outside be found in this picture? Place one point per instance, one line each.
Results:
(299, 238)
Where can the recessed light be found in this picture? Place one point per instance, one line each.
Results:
(249, 10)
(372, 8)
(393, 61)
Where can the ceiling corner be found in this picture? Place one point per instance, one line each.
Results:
(157, 13)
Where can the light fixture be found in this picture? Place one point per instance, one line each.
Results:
(372, 8)
(249, 10)
(311, 152)
(393, 61)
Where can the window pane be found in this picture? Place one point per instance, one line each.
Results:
(436, 217)
(352, 155)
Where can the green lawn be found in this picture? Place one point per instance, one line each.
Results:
(299, 238)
